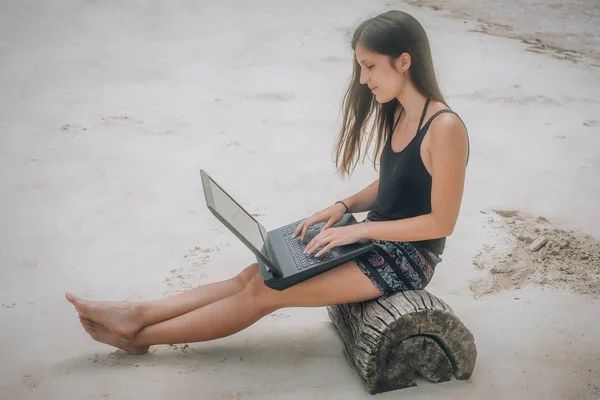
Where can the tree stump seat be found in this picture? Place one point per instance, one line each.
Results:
(390, 339)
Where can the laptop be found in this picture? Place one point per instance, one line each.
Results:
(280, 257)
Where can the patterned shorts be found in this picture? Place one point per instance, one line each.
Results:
(398, 266)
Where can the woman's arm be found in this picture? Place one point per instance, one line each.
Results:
(448, 149)
(363, 200)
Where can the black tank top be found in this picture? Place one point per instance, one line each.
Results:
(404, 183)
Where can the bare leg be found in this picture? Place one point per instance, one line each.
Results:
(344, 284)
(125, 320)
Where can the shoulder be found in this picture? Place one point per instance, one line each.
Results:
(448, 132)
(448, 122)
(447, 126)
(444, 120)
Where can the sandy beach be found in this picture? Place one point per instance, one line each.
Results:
(109, 110)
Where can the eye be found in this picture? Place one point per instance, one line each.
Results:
(370, 66)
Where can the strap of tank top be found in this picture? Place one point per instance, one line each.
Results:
(396, 123)
(430, 120)
(423, 115)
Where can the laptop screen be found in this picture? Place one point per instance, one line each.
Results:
(244, 226)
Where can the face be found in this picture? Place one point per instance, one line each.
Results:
(377, 73)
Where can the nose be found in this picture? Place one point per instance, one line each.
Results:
(363, 76)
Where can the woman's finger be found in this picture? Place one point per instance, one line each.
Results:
(325, 249)
(309, 247)
(329, 223)
(305, 228)
(299, 229)
(314, 241)
(313, 244)
(318, 241)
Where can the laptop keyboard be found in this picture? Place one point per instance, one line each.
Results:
(297, 245)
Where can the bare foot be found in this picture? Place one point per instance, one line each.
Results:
(121, 319)
(101, 334)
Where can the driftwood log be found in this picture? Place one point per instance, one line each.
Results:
(390, 339)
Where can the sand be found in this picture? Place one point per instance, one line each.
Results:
(530, 250)
(108, 111)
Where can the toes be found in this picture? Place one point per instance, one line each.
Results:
(122, 338)
(92, 325)
(87, 323)
(88, 327)
(79, 304)
(134, 352)
(89, 330)
(94, 335)
(70, 298)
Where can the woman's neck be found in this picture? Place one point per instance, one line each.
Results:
(412, 101)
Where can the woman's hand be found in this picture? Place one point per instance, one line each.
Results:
(334, 237)
(330, 215)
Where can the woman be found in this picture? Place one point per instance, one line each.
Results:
(413, 205)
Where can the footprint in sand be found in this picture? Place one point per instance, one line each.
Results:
(180, 278)
(121, 118)
(29, 263)
(178, 281)
(30, 381)
(278, 316)
(232, 143)
(72, 128)
(199, 256)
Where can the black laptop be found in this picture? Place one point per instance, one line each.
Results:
(280, 257)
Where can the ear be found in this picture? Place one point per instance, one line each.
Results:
(403, 62)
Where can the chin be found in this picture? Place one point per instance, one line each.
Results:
(383, 99)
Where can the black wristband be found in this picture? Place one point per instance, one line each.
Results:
(342, 203)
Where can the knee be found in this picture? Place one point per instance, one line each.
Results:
(263, 297)
(247, 274)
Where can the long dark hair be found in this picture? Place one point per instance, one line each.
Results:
(391, 33)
